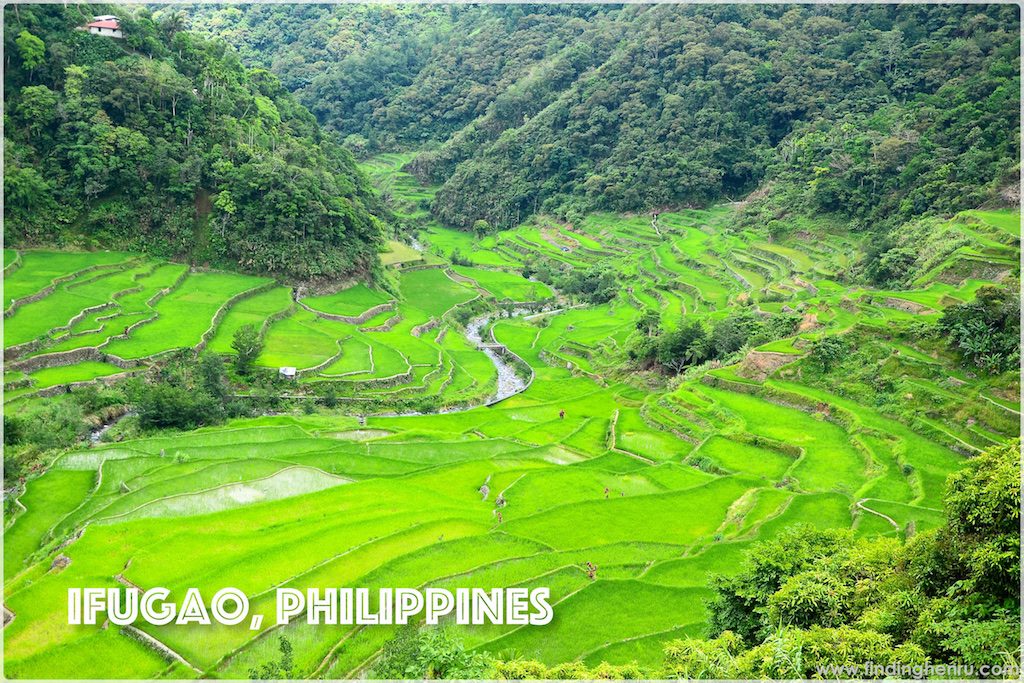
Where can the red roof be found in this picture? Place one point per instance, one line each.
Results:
(108, 23)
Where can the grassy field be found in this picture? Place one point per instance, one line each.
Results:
(659, 486)
(252, 311)
(184, 315)
(399, 252)
(351, 301)
(504, 285)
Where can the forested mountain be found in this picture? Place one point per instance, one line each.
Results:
(874, 112)
(165, 142)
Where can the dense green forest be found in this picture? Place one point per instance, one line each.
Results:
(874, 113)
(165, 142)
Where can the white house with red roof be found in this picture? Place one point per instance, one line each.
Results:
(106, 25)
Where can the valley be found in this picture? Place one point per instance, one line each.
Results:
(703, 318)
(658, 486)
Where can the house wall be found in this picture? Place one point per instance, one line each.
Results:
(109, 32)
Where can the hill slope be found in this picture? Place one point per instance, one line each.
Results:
(573, 109)
(165, 142)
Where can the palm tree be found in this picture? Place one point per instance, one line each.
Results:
(173, 22)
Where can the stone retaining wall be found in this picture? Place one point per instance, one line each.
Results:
(424, 266)
(425, 327)
(46, 291)
(71, 357)
(387, 325)
(273, 318)
(65, 388)
(321, 366)
(352, 319)
(13, 265)
(223, 310)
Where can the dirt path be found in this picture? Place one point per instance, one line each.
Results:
(865, 508)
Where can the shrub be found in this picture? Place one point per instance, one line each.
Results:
(520, 670)
(694, 658)
(434, 653)
(164, 406)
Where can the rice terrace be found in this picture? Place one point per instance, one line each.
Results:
(617, 404)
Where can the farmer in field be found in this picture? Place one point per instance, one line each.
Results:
(606, 493)
(561, 414)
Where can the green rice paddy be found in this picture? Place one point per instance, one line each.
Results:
(657, 487)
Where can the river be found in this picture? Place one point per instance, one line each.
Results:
(509, 381)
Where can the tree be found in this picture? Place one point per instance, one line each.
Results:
(37, 108)
(330, 396)
(890, 268)
(682, 347)
(741, 600)
(14, 430)
(649, 323)
(810, 599)
(58, 425)
(595, 285)
(211, 371)
(248, 346)
(982, 504)
(173, 22)
(25, 190)
(481, 228)
(827, 352)
(986, 331)
(166, 406)
(32, 50)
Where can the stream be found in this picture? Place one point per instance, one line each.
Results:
(97, 434)
(509, 382)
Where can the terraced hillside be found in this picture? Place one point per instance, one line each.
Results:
(102, 314)
(656, 483)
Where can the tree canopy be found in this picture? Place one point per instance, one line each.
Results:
(165, 142)
(874, 112)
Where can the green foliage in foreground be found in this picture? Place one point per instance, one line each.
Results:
(518, 669)
(811, 598)
(164, 142)
(274, 671)
(437, 653)
(429, 653)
